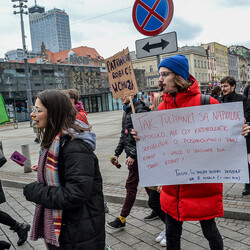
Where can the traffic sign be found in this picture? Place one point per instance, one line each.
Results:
(156, 45)
(151, 17)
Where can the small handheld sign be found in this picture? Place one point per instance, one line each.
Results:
(18, 158)
(151, 17)
(121, 75)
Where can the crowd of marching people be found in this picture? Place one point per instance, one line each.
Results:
(70, 208)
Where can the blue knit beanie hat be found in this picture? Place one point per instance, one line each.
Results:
(178, 64)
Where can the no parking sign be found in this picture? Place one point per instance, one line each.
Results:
(151, 17)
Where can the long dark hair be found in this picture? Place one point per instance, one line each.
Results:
(61, 115)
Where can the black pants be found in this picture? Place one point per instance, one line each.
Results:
(52, 247)
(155, 205)
(209, 229)
(248, 152)
(6, 219)
(131, 188)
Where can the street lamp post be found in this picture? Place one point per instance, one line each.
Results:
(21, 11)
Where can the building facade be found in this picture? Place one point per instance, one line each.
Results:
(234, 68)
(198, 66)
(149, 65)
(50, 27)
(244, 63)
(197, 63)
(90, 81)
(217, 55)
(208, 63)
(17, 55)
(82, 55)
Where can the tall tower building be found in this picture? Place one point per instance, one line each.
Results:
(50, 27)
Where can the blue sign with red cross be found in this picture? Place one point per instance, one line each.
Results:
(151, 17)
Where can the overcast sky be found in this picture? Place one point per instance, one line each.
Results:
(107, 25)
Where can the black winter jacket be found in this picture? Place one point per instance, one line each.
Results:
(234, 97)
(247, 92)
(2, 196)
(127, 141)
(80, 197)
(3, 160)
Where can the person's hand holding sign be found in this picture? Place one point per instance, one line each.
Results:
(129, 161)
(134, 133)
(34, 167)
(245, 130)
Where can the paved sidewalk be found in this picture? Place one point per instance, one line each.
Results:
(107, 126)
(137, 233)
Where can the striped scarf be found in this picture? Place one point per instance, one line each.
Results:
(47, 222)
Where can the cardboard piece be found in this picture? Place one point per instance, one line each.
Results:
(121, 75)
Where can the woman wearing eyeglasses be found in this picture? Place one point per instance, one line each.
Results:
(195, 202)
(68, 193)
(187, 202)
(192, 202)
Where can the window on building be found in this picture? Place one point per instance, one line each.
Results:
(152, 82)
(35, 72)
(198, 63)
(195, 63)
(48, 72)
(151, 68)
(202, 64)
(20, 73)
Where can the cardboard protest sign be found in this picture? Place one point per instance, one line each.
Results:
(201, 144)
(121, 74)
(3, 113)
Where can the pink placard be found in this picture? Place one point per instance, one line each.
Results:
(18, 158)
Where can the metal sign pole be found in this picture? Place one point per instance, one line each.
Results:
(21, 6)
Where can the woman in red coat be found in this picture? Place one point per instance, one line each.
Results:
(188, 202)
(196, 202)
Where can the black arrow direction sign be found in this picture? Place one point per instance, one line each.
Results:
(163, 44)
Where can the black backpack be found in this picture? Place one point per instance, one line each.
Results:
(205, 99)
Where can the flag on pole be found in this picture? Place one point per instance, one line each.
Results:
(3, 113)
